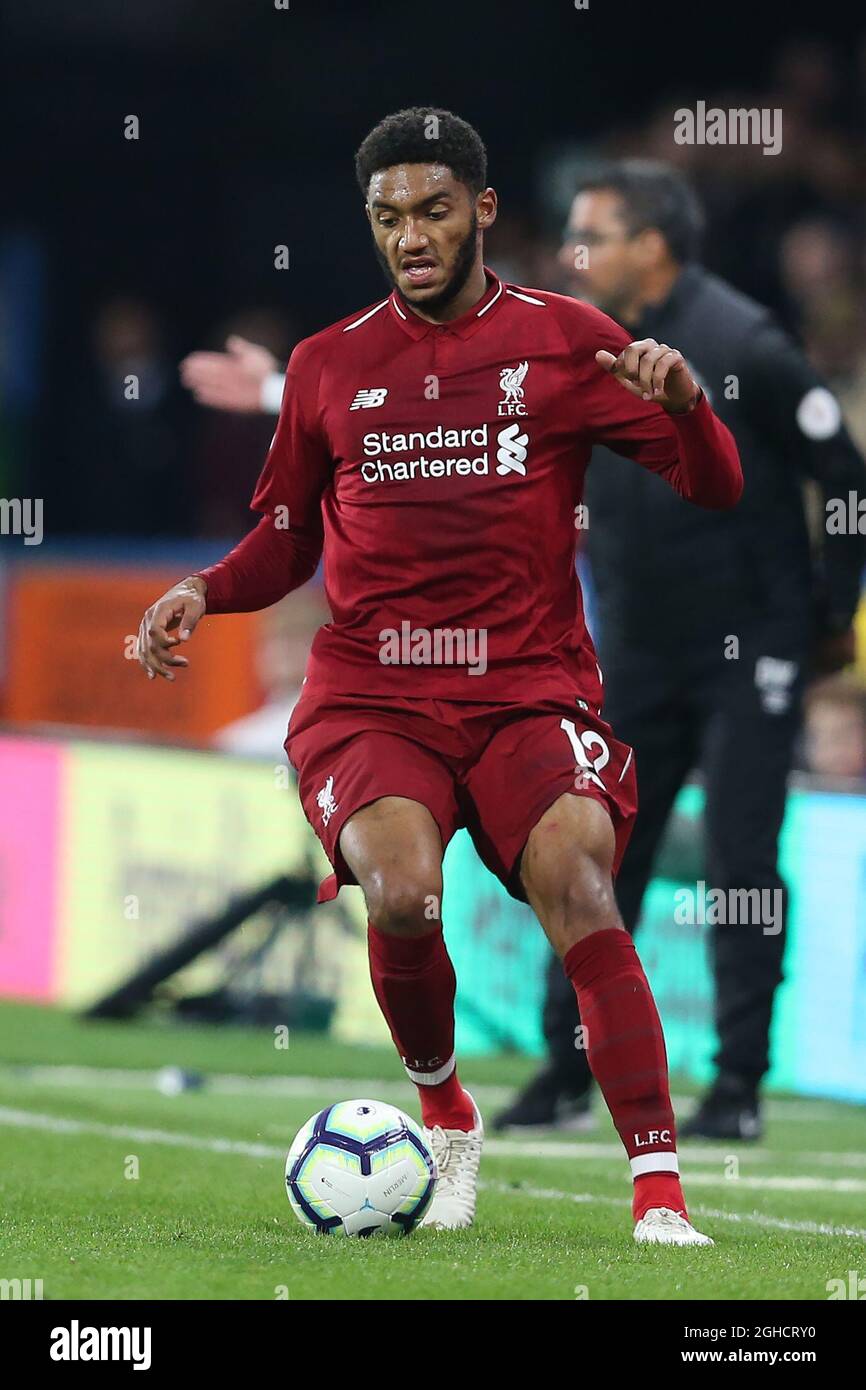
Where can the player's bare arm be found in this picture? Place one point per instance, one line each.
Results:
(653, 372)
(167, 623)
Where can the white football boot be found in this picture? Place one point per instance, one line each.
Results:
(457, 1153)
(661, 1226)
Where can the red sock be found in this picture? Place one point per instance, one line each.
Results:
(626, 1052)
(658, 1190)
(414, 982)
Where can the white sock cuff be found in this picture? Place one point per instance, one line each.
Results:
(654, 1163)
(433, 1078)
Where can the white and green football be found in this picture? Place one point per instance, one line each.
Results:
(362, 1168)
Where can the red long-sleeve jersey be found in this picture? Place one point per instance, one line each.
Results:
(441, 467)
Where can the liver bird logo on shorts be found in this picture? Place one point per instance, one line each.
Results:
(325, 800)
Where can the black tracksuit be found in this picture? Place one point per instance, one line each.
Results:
(675, 584)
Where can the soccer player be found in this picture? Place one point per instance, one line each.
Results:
(434, 445)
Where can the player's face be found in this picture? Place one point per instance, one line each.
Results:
(427, 230)
(602, 261)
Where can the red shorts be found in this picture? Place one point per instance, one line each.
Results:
(493, 768)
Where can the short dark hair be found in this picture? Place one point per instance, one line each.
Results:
(424, 135)
(656, 195)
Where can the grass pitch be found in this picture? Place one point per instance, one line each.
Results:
(112, 1189)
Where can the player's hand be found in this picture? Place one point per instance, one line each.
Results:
(654, 372)
(167, 623)
(230, 380)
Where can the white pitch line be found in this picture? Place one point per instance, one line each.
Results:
(803, 1183)
(504, 1148)
(229, 1083)
(225, 1083)
(754, 1218)
(296, 1087)
(691, 1153)
(594, 1148)
(591, 1149)
(781, 1223)
(56, 1124)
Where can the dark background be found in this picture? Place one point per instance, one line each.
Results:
(249, 118)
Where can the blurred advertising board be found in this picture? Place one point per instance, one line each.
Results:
(819, 1027)
(108, 852)
(31, 831)
(69, 660)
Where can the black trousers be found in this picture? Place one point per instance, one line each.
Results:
(685, 708)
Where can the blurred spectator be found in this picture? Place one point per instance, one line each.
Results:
(285, 634)
(835, 727)
(128, 421)
(230, 446)
(819, 273)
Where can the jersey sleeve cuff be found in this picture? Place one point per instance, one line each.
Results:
(699, 411)
(210, 575)
(272, 393)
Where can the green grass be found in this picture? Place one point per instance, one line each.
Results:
(200, 1224)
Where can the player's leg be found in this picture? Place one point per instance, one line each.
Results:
(380, 796)
(394, 850)
(663, 733)
(377, 786)
(566, 870)
(554, 796)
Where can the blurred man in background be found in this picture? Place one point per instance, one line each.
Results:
(712, 676)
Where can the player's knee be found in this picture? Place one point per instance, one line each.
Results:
(577, 894)
(405, 902)
(586, 895)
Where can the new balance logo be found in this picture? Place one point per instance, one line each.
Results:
(369, 398)
(512, 451)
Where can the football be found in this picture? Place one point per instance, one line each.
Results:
(362, 1168)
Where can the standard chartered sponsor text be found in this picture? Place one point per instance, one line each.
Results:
(377, 469)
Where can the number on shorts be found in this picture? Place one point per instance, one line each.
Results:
(581, 744)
